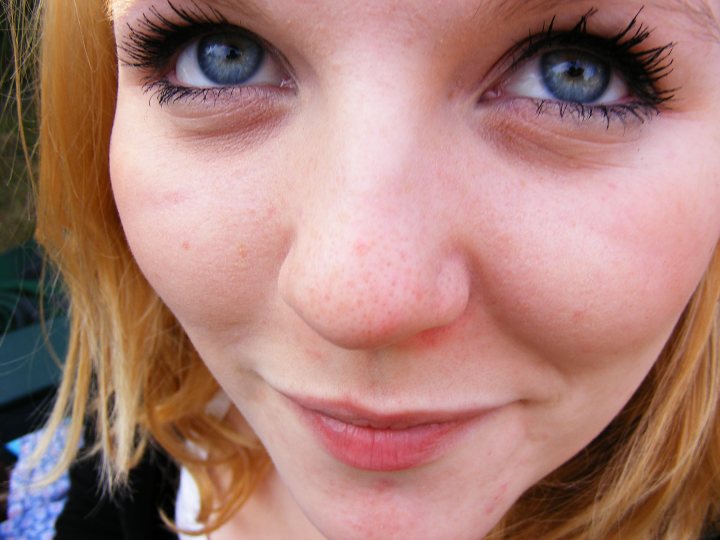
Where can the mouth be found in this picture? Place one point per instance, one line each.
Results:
(372, 441)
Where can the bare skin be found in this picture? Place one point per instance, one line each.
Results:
(385, 218)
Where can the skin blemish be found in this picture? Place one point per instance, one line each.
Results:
(437, 337)
(385, 485)
(173, 198)
(361, 248)
(313, 352)
(186, 245)
(492, 506)
(432, 337)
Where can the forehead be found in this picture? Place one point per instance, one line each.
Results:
(700, 17)
(698, 7)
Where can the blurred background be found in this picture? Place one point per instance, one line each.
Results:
(33, 327)
(16, 223)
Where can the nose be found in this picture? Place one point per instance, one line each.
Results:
(372, 261)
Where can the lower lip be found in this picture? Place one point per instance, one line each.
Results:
(374, 449)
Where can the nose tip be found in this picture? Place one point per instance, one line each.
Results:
(376, 252)
(368, 297)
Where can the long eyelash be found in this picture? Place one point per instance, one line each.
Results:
(153, 41)
(166, 92)
(152, 44)
(642, 69)
(608, 113)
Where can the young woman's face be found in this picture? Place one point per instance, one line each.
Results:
(429, 249)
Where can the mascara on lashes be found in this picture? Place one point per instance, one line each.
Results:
(642, 70)
(154, 41)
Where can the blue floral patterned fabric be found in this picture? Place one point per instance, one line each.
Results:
(32, 509)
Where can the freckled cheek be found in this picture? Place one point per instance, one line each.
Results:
(206, 253)
(604, 276)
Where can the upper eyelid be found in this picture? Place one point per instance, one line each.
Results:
(153, 38)
(154, 43)
(596, 45)
(162, 50)
(632, 35)
(643, 68)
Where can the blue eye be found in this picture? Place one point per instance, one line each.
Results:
(568, 75)
(229, 58)
(575, 76)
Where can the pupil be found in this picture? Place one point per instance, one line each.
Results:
(576, 71)
(229, 59)
(575, 76)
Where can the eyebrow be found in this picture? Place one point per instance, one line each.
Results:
(697, 15)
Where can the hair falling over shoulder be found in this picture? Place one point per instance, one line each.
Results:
(654, 473)
(130, 370)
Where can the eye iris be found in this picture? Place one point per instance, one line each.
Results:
(229, 59)
(575, 76)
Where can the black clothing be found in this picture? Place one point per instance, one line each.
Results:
(130, 514)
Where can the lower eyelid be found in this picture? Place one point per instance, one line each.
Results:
(554, 139)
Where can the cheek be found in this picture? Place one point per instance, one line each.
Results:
(203, 239)
(604, 264)
(575, 267)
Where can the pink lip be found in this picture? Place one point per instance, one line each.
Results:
(382, 442)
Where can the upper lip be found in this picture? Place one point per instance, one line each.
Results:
(355, 414)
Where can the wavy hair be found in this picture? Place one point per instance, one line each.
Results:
(654, 472)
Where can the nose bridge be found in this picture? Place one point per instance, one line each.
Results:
(373, 135)
(377, 149)
(367, 266)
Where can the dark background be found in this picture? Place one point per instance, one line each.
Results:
(32, 327)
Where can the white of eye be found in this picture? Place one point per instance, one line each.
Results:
(189, 73)
(528, 81)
